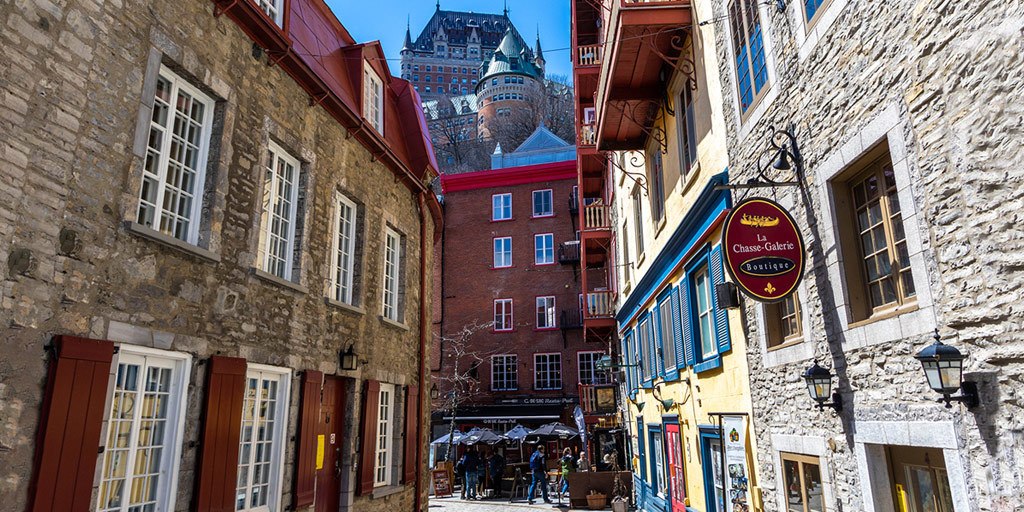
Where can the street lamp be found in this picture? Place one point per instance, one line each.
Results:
(819, 385)
(943, 367)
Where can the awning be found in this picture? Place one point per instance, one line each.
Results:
(510, 413)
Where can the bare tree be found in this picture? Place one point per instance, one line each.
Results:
(460, 379)
(452, 123)
(560, 106)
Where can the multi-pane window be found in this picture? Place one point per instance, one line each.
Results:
(501, 207)
(177, 148)
(546, 313)
(542, 203)
(705, 314)
(811, 8)
(373, 98)
(782, 321)
(657, 181)
(504, 373)
(687, 131)
(385, 437)
(392, 274)
(668, 346)
(625, 251)
(749, 53)
(589, 374)
(643, 340)
(280, 197)
(272, 8)
(884, 257)
(143, 433)
(503, 314)
(503, 252)
(544, 249)
(802, 483)
(638, 225)
(260, 440)
(547, 371)
(343, 261)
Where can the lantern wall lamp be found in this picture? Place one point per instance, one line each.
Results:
(944, 368)
(819, 386)
(348, 358)
(665, 403)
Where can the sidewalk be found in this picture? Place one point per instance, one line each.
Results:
(495, 505)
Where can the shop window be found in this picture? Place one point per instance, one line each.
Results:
(802, 483)
(783, 321)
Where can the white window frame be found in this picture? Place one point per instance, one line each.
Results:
(279, 433)
(542, 364)
(709, 313)
(373, 98)
(390, 307)
(343, 249)
(550, 212)
(544, 249)
(384, 446)
(161, 158)
(504, 255)
(507, 310)
(658, 449)
(274, 9)
(588, 360)
(170, 459)
(548, 314)
(271, 197)
(498, 209)
(510, 366)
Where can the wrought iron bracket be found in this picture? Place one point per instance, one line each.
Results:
(639, 179)
(644, 113)
(784, 156)
(677, 41)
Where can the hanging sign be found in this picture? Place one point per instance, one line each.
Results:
(763, 249)
(737, 474)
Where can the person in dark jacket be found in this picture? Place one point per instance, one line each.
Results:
(471, 466)
(496, 464)
(538, 468)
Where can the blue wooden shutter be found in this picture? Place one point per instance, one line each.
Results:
(721, 314)
(677, 328)
(627, 360)
(686, 321)
(641, 452)
(656, 340)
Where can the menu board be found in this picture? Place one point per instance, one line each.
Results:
(442, 483)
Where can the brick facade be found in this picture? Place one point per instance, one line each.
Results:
(75, 105)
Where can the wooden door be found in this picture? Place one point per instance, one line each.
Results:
(920, 482)
(330, 426)
(676, 478)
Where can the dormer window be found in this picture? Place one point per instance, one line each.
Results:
(373, 98)
(273, 9)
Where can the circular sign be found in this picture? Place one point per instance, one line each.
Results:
(763, 249)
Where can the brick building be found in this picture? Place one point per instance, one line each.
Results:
(202, 213)
(510, 344)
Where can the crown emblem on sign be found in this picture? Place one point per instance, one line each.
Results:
(759, 221)
(769, 288)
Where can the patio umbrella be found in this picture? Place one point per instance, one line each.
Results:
(517, 433)
(444, 439)
(481, 436)
(551, 432)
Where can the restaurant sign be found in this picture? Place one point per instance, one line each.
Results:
(763, 249)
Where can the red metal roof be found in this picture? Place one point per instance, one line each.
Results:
(554, 171)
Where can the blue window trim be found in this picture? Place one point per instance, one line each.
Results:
(641, 449)
(707, 435)
(654, 428)
(644, 346)
(669, 373)
(697, 263)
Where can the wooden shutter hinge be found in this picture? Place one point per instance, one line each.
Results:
(101, 450)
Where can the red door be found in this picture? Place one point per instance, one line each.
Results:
(328, 478)
(676, 480)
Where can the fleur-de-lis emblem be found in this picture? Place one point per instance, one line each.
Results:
(769, 288)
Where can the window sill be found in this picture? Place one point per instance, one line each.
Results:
(503, 220)
(787, 343)
(504, 390)
(503, 268)
(547, 389)
(149, 233)
(548, 216)
(884, 314)
(545, 329)
(393, 323)
(543, 264)
(503, 331)
(284, 283)
(386, 490)
(708, 365)
(659, 226)
(344, 306)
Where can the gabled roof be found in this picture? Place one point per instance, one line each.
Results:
(542, 138)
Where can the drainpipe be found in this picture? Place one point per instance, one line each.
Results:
(424, 323)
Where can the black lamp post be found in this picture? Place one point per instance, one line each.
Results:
(819, 385)
(348, 359)
(944, 368)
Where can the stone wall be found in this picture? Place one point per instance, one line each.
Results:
(937, 82)
(74, 84)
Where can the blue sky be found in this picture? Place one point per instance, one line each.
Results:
(385, 20)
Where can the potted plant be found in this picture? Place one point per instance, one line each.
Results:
(597, 500)
(620, 500)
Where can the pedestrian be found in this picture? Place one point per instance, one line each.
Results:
(497, 467)
(568, 463)
(538, 468)
(471, 466)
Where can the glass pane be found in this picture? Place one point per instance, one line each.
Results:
(794, 492)
(812, 483)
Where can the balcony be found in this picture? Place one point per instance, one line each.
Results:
(574, 202)
(589, 55)
(569, 252)
(571, 319)
(587, 135)
(644, 37)
(600, 305)
(596, 216)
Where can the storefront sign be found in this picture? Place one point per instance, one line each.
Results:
(537, 401)
(763, 249)
(737, 474)
(442, 483)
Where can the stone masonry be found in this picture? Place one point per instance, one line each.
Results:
(74, 76)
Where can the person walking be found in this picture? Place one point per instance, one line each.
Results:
(496, 464)
(568, 463)
(471, 466)
(538, 468)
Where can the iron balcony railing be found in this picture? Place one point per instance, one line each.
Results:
(569, 252)
(571, 319)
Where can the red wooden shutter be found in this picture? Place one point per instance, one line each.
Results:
(412, 442)
(68, 438)
(368, 433)
(222, 424)
(309, 414)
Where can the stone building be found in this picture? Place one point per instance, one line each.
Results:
(906, 118)
(215, 238)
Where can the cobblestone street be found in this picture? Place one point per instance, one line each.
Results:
(457, 505)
